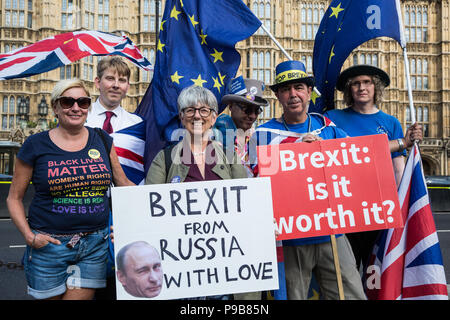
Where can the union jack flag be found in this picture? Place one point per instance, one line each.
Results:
(63, 49)
(129, 144)
(406, 263)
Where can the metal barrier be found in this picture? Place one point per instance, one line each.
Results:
(439, 192)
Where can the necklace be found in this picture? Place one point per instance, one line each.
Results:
(198, 153)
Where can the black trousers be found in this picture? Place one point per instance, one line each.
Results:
(362, 245)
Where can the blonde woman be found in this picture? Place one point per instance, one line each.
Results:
(71, 170)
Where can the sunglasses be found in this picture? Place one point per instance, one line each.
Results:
(68, 102)
(248, 110)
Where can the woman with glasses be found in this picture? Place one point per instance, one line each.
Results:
(196, 157)
(71, 170)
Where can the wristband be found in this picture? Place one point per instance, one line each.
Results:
(401, 145)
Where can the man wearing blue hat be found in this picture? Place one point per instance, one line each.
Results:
(307, 256)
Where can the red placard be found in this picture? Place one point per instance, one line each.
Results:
(331, 186)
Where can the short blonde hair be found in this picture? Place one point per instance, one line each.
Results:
(114, 62)
(64, 85)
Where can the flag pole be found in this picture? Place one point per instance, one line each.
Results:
(408, 86)
(405, 58)
(276, 41)
(337, 267)
(332, 237)
(284, 51)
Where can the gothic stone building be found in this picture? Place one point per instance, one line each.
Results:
(294, 24)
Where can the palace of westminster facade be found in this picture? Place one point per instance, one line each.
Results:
(24, 103)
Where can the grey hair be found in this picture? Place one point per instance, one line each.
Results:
(64, 85)
(193, 95)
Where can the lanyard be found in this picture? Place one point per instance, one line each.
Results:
(315, 132)
(286, 126)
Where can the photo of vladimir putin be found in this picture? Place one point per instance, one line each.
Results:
(139, 270)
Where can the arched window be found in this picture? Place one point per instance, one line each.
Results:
(311, 14)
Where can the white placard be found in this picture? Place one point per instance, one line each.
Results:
(210, 238)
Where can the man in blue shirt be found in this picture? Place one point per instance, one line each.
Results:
(363, 87)
(308, 256)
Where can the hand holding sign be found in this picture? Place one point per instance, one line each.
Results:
(209, 238)
(332, 186)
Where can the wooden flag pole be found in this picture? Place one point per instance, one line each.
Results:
(337, 267)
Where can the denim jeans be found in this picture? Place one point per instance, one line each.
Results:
(52, 269)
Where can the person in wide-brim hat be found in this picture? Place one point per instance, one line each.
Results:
(291, 71)
(248, 91)
(361, 70)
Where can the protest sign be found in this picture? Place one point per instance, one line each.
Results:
(196, 238)
(331, 186)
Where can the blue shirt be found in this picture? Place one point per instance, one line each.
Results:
(357, 124)
(70, 187)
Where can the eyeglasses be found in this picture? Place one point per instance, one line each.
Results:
(203, 111)
(68, 102)
(359, 84)
(248, 110)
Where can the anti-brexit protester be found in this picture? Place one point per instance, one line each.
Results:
(71, 170)
(196, 157)
(306, 256)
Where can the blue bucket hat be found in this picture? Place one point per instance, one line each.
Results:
(290, 72)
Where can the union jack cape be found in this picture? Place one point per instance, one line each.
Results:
(406, 263)
(129, 143)
(64, 49)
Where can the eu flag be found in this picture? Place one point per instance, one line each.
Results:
(196, 46)
(345, 25)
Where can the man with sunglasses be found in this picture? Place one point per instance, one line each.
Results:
(245, 103)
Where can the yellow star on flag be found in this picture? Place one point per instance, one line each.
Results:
(221, 78)
(174, 13)
(336, 10)
(314, 96)
(181, 2)
(160, 45)
(331, 54)
(194, 23)
(217, 84)
(162, 24)
(199, 81)
(176, 77)
(203, 36)
(217, 55)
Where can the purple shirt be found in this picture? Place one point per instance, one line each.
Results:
(194, 172)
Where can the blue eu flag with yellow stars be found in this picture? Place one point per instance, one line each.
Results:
(345, 25)
(196, 46)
